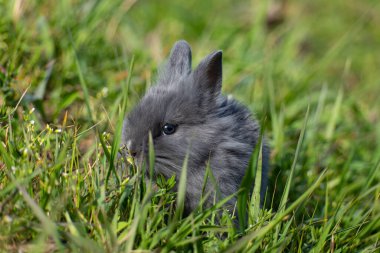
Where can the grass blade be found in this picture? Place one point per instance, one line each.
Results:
(258, 235)
(182, 188)
(246, 185)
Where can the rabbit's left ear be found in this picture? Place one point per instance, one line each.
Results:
(208, 74)
(180, 59)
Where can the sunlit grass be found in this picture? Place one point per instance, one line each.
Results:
(70, 70)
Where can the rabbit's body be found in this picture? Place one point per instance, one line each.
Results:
(186, 113)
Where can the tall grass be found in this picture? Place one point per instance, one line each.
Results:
(70, 71)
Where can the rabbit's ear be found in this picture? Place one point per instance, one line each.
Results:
(180, 59)
(208, 74)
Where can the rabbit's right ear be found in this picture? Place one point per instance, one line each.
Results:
(208, 74)
(180, 59)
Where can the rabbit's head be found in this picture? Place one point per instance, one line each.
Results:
(180, 113)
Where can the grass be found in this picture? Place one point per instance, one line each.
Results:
(69, 70)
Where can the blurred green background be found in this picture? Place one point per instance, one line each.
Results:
(299, 45)
(279, 58)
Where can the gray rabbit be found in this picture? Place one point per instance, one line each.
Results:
(186, 113)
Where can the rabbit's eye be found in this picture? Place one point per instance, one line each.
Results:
(169, 128)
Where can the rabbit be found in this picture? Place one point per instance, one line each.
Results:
(186, 114)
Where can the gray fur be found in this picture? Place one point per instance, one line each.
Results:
(211, 127)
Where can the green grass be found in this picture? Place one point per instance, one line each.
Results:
(70, 69)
